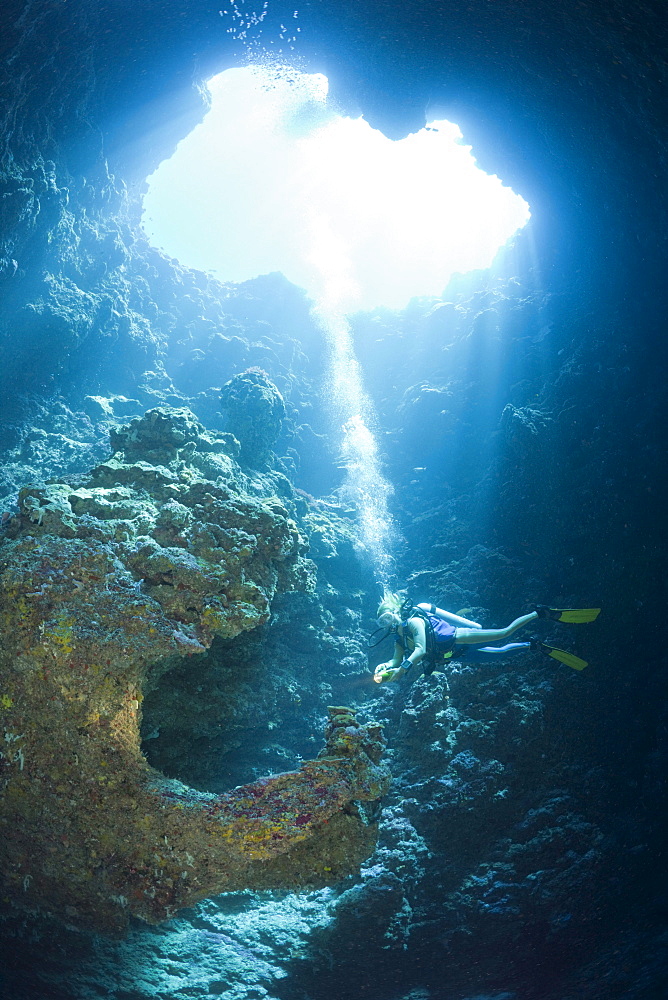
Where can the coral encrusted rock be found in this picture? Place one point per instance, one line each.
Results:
(107, 582)
(255, 413)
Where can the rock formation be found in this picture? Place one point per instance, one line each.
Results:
(255, 412)
(108, 581)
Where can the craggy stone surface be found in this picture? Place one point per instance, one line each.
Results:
(107, 582)
(522, 416)
(255, 410)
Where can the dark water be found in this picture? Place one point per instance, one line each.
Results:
(521, 425)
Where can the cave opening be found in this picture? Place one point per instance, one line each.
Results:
(277, 178)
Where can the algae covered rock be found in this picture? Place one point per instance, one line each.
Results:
(255, 413)
(109, 581)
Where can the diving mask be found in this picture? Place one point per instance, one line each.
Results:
(388, 619)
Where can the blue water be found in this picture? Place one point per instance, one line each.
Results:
(495, 444)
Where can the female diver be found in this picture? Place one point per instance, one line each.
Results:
(432, 635)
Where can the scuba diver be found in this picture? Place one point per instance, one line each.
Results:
(425, 633)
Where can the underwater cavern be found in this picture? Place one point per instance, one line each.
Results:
(203, 792)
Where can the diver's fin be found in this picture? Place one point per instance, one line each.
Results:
(577, 615)
(573, 616)
(563, 657)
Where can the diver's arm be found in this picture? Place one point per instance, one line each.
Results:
(394, 662)
(415, 627)
(397, 657)
(419, 637)
(395, 669)
(448, 616)
(390, 671)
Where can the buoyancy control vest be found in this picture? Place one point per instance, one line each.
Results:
(440, 636)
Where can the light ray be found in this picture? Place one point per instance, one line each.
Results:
(274, 179)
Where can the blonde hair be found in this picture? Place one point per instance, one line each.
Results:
(390, 602)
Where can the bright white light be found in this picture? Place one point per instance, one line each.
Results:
(364, 485)
(274, 179)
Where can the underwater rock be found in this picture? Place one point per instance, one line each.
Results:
(108, 582)
(166, 434)
(255, 412)
(426, 405)
(525, 429)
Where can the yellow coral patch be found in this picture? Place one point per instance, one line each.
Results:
(62, 636)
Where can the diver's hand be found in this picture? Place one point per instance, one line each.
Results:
(385, 672)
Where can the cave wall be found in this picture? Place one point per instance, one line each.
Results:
(564, 103)
(556, 483)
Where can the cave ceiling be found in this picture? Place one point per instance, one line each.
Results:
(550, 95)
